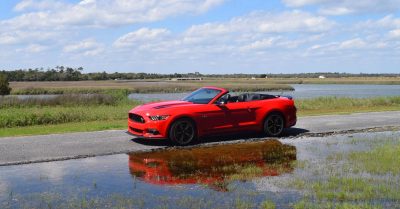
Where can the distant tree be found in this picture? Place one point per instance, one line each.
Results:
(4, 85)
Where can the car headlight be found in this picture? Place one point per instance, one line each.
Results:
(158, 117)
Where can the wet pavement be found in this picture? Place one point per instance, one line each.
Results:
(243, 175)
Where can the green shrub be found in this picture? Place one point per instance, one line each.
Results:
(4, 85)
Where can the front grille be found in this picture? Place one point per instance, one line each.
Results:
(136, 118)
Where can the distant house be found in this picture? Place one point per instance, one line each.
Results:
(253, 78)
(322, 77)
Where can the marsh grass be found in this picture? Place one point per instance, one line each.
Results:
(59, 100)
(304, 204)
(382, 160)
(367, 178)
(331, 105)
(141, 200)
(20, 117)
(111, 106)
(93, 87)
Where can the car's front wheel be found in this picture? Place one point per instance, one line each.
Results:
(182, 132)
(274, 124)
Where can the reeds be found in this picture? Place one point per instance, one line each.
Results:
(345, 104)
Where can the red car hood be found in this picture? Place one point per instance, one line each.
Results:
(160, 105)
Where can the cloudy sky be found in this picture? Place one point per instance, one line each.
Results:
(209, 36)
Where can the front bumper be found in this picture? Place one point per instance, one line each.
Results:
(149, 129)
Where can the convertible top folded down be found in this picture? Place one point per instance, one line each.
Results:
(246, 97)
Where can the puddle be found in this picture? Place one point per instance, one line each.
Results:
(214, 166)
(281, 173)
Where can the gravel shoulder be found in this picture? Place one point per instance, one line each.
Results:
(31, 149)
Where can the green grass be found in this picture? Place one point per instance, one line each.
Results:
(344, 105)
(64, 128)
(367, 178)
(383, 160)
(329, 205)
(23, 117)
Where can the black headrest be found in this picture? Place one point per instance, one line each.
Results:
(242, 97)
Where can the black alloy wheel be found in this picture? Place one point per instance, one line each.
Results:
(182, 132)
(274, 124)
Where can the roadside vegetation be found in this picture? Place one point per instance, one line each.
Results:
(64, 113)
(344, 105)
(108, 110)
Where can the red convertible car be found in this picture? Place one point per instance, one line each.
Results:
(212, 111)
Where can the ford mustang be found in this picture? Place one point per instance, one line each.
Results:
(212, 111)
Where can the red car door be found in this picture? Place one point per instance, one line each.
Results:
(213, 119)
(241, 115)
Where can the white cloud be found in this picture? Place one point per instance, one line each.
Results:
(102, 13)
(394, 33)
(389, 21)
(299, 3)
(388, 27)
(33, 48)
(261, 44)
(38, 5)
(346, 47)
(356, 43)
(336, 11)
(245, 36)
(140, 36)
(23, 37)
(261, 22)
(342, 7)
(87, 47)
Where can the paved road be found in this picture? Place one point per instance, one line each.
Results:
(19, 150)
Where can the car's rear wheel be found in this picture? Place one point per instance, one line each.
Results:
(274, 124)
(182, 132)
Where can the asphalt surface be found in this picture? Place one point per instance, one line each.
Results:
(30, 149)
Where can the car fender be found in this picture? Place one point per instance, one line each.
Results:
(273, 110)
(182, 116)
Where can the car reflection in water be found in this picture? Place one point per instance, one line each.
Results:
(215, 166)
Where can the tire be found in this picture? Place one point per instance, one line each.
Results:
(182, 132)
(274, 124)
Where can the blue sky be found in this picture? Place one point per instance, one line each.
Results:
(208, 36)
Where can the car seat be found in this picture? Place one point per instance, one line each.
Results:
(242, 98)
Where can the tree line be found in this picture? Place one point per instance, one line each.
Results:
(61, 73)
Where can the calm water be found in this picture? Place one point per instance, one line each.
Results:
(303, 91)
(184, 178)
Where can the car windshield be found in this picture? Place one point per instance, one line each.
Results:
(202, 96)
